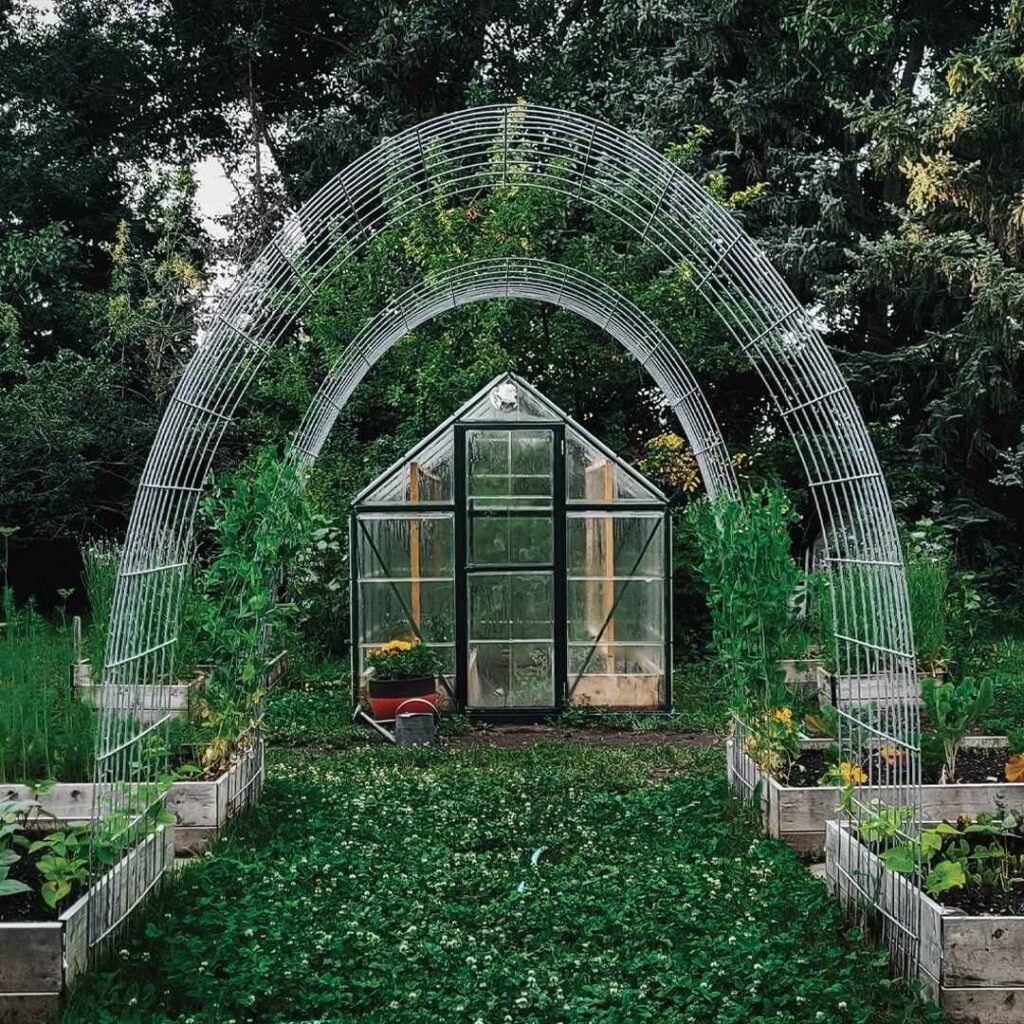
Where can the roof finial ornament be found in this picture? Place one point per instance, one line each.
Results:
(505, 396)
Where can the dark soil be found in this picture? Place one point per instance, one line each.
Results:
(29, 906)
(972, 765)
(595, 736)
(985, 899)
(978, 765)
(807, 769)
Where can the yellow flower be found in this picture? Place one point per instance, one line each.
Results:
(851, 774)
(394, 646)
(784, 715)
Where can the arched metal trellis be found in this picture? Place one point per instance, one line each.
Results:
(543, 281)
(589, 163)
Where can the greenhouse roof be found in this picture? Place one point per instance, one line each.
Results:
(505, 399)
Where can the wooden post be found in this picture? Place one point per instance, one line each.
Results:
(609, 564)
(414, 544)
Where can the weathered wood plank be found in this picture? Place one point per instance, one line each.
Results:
(190, 842)
(31, 957)
(983, 1005)
(28, 1009)
(196, 804)
(983, 952)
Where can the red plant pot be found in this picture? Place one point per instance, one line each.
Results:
(388, 695)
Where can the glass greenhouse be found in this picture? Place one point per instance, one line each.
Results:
(532, 558)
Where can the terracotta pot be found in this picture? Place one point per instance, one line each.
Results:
(388, 695)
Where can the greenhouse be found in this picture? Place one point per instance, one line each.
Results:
(527, 554)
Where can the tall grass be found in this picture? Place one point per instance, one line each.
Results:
(927, 584)
(100, 560)
(45, 733)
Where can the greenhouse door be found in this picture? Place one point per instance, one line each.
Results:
(510, 567)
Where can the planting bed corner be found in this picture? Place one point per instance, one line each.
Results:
(798, 814)
(40, 959)
(972, 965)
(202, 807)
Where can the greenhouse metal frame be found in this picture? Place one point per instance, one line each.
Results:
(563, 511)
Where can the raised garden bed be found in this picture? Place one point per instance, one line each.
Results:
(801, 673)
(202, 808)
(798, 814)
(277, 669)
(877, 689)
(40, 959)
(971, 964)
(147, 702)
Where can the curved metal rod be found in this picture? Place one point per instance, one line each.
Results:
(587, 163)
(541, 281)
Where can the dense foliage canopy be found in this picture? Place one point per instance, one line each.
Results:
(874, 148)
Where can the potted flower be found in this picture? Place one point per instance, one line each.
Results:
(401, 671)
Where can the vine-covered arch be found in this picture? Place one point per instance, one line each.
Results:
(542, 281)
(586, 162)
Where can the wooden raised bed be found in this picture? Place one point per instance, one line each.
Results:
(201, 808)
(39, 960)
(146, 702)
(277, 668)
(801, 673)
(972, 965)
(798, 814)
(848, 689)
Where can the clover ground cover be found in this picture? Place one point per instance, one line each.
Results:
(548, 884)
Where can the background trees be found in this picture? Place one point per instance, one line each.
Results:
(873, 147)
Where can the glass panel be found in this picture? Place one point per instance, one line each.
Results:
(511, 675)
(602, 544)
(639, 610)
(590, 475)
(507, 540)
(423, 479)
(511, 606)
(386, 610)
(512, 464)
(403, 546)
(617, 675)
(508, 401)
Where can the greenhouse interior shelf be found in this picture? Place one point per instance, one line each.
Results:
(526, 554)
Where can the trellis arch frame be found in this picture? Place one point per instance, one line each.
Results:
(586, 162)
(539, 280)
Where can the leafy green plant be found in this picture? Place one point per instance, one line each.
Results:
(773, 740)
(954, 709)
(12, 818)
(319, 587)
(884, 823)
(259, 521)
(928, 577)
(64, 863)
(750, 577)
(44, 731)
(402, 659)
(978, 852)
